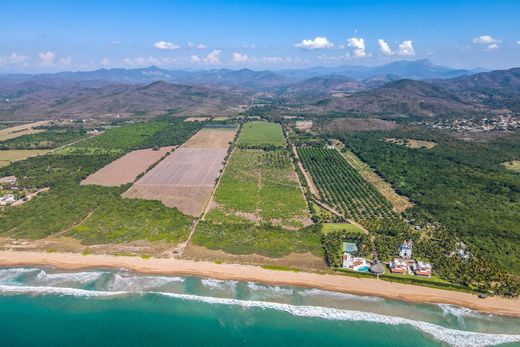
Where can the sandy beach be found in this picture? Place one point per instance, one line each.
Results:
(337, 283)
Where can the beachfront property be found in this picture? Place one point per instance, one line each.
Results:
(405, 250)
(350, 261)
(422, 269)
(399, 266)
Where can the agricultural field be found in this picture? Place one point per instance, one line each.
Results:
(342, 187)
(20, 130)
(261, 135)
(186, 178)
(260, 187)
(400, 202)
(90, 213)
(127, 168)
(9, 156)
(44, 140)
(347, 227)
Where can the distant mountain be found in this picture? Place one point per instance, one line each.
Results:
(146, 100)
(418, 69)
(322, 85)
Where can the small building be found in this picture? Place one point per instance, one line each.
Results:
(377, 268)
(398, 266)
(405, 250)
(354, 263)
(7, 199)
(422, 269)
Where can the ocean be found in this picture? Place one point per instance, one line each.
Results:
(48, 307)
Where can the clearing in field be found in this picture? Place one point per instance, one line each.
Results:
(19, 130)
(9, 156)
(330, 227)
(512, 165)
(186, 178)
(126, 169)
(260, 134)
(260, 187)
(411, 143)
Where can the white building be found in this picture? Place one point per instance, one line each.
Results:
(405, 250)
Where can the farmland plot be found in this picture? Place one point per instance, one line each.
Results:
(126, 169)
(186, 178)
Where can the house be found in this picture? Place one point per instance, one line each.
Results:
(398, 266)
(354, 263)
(422, 269)
(405, 250)
(7, 199)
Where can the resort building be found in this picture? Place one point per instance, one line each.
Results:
(398, 266)
(405, 250)
(355, 263)
(422, 269)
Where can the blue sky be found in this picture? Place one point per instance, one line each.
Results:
(39, 36)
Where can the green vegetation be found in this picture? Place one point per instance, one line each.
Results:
(92, 214)
(46, 140)
(266, 240)
(260, 186)
(261, 135)
(332, 245)
(461, 185)
(331, 227)
(342, 187)
(280, 268)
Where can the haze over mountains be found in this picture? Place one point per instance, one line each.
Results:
(400, 88)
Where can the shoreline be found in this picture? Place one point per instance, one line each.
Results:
(227, 271)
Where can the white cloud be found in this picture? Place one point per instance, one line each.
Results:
(327, 58)
(15, 59)
(240, 58)
(485, 40)
(319, 42)
(488, 40)
(518, 42)
(113, 43)
(196, 45)
(213, 58)
(250, 46)
(406, 49)
(47, 58)
(65, 60)
(384, 48)
(359, 45)
(165, 46)
(147, 61)
(105, 62)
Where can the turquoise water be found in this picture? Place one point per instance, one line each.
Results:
(46, 307)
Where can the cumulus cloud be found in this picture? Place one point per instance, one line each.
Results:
(359, 45)
(384, 48)
(319, 42)
(406, 49)
(47, 58)
(488, 40)
(105, 62)
(14, 59)
(165, 46)
(213, 58)
(240, 58)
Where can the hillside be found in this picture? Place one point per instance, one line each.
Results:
(36, 102)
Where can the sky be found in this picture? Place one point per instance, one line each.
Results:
(50, 36)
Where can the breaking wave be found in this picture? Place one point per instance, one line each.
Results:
(345, 296)
(442, 334)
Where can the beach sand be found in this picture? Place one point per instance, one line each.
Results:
(337, 283)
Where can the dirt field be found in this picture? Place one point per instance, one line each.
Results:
(186, 178)
(411, 143)
(19, 130)
(126, 169)
(12, 155)
(211, 138)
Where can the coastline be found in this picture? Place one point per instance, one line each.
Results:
(226, 271)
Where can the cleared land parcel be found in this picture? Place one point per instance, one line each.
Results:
(126, 169)
(186, 178)
(261, 134)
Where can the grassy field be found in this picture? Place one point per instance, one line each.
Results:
(512, 165)
(330, 227)
(9, 156)
(260, 134)
(44, 140)
(260, 187)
